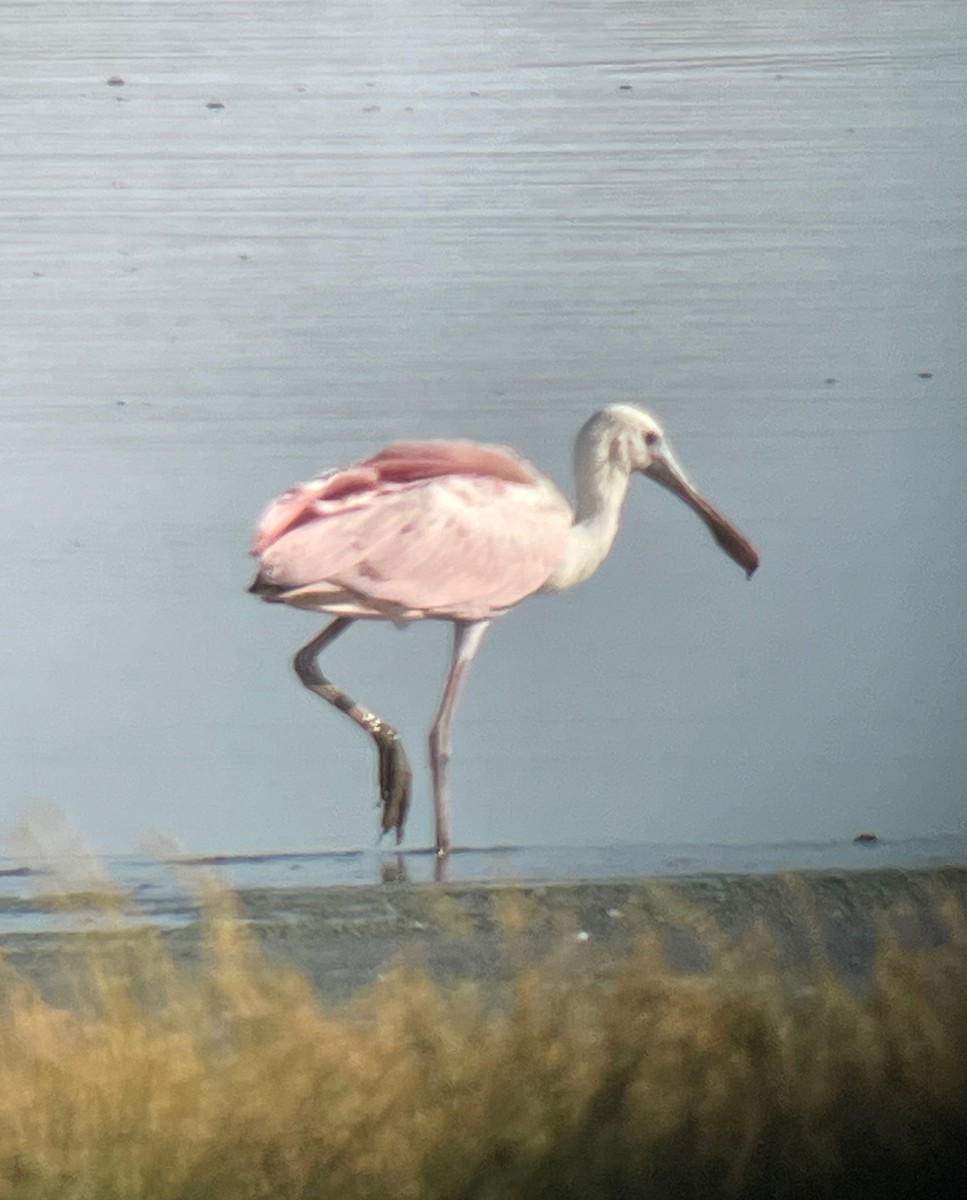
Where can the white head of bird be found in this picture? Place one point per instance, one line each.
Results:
(610, 446)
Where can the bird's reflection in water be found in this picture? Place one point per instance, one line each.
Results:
(393, 868)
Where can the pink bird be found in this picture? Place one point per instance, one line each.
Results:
(460, 532)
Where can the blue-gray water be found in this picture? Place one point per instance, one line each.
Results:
(168, 894)
(484, 219)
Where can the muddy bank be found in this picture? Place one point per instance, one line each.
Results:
(346, 938)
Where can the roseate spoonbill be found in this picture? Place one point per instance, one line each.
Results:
(454, 531)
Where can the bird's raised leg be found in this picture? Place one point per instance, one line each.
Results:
(394, 768)
(467, 636)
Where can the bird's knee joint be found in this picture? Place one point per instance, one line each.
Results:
(439, 747)
(304, 666)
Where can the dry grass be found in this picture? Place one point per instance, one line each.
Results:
(160, 1083)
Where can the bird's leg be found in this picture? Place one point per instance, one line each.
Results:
(394, 768)
(467, 636)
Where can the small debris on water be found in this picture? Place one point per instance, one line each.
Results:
(215, 105)
(582, 936)
(925, 374)
(615, 914)
(866, 839)
(371, 108)
(115, 81)
(624, 87)
(830, 380)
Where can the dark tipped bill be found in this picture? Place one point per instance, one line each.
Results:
(665, 470)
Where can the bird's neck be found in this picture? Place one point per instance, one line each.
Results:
(601, 475)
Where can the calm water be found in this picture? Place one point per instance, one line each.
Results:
(430, 217)
(168, 894)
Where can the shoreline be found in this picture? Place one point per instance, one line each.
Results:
(344, 938)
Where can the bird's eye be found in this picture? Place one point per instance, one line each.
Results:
(651, 438)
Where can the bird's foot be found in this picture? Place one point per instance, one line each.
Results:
(395, 776)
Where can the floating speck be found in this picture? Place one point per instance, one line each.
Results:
(865, 839)
(115, 81)
(582, 936)
(215, 105)
(829, 380)
(371, 108)
(624, 87)
(925, 374)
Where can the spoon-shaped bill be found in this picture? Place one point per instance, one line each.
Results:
(664, 470)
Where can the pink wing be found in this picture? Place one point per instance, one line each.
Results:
(421, 529)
